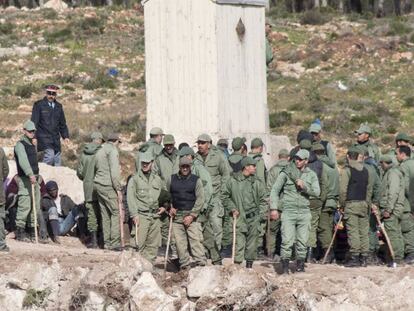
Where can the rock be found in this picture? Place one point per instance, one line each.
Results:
(188, 306)
(205, 281)
(295, 70)
(400, 56)
(243, 281)
(147, 295)
(11, 298)
(11, 9)
(57, 5)
(95, 302)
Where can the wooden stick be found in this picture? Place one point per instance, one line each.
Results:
(34, 213)
(387, 239)
(168, 244)
(332, 241)
(233, 249)
(121, 222)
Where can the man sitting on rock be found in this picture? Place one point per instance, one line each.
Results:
(61, 212)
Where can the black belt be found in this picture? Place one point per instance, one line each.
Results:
(251, 215)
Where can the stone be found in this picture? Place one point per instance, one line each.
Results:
(95, 302)
(243, 281)
(147, 295)
(57, 5)
(205, 281)
(11, 9)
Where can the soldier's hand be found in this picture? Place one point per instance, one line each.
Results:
(161, 210)
(386, 214)
(235, 213)
(300, 184)
(135, 219)
(32, 179)
(187, 220)
(374, 209)
(274, 215)
(66, 141)
(173, 212)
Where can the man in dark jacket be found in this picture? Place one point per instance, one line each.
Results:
(62, 212)
(49, 119)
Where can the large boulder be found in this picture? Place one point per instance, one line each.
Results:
(57, 5)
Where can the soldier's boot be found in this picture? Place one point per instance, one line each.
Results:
(217, 263)
(285, 266)
(226, 251)
(330, 258)
(310, 258)
(83, 228)
(249, 264)
(21, 235)
(353, 262)
(54, 224)
(372, 259)
(93, 243)
(409, 259)
(363, 261)
(300, 265)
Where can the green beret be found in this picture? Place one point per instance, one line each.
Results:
(283, 153)
(256, 142)
(386, 158)
(168, 140)
(186, 151)
(356, 149)
(204, 138)
(403, 136)
(248, 161)
(237, 143)
(305, 144)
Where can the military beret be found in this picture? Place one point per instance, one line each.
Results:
(223, 141)
(318, 147)
(96, 135)
(29, 126)
(145, 157)
(248, 161)
(156, 131)
(256, 142)
(302, 154)
(238, 142)
(185, 161)
(305, 144)
(283, 153)
(204, 138)
(168, 140)
(386, 158)
(403, 136)
(315, 128)
(186, 151)
(363, 128)
(356, 149)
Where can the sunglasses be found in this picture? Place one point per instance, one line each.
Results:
(31, 131)
(51, 93)
(201, 142)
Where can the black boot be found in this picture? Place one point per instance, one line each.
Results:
(249, 264)
(82, 228)
(54, 224)
(363, 261)
(372, 259)
(310, 256)
(93, 243)
(21, 235)
(285, 266)
(330, 258)
(300, 265)
(353, 262)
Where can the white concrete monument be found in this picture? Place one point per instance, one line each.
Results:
(206, 70)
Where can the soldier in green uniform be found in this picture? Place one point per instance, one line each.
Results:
(239, 152)
(356, 186)
(223, 145)
(86, 172)
(245, 197)
(316, 129)
(274, 229)
(407, 221)
(4, 172)
(108, 187)
(198, 169)
(256, 152)
(187, 196)
(153, 145)
(165, 165)
(28, 171)
(392, 204)
(364, 139)
(143, 192)
(217, 166)
(330, 204)
(290, 196)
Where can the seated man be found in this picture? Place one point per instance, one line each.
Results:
(61, 212)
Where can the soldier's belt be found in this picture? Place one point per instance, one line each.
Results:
(147, 212)
(251, 215)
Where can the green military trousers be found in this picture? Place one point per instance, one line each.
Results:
(227, 230)
(407, 228)
(393, 227)
(295, 229)
(315, 207)
(149, 235)
(2, 231)
(209, 242)
(108, 203)
(94, 216)
(357, 226)
(271, 241)
(247, 240)
(373, 237)
(189, 242)
(216, 213)
(25, 214)
(325, 227)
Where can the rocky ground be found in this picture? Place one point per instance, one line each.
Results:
(71, 277)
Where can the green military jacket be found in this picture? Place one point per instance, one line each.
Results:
(373, 150)
(86, 170)
(20, 151)
(269, 53)
(248, 196)
(4, 172)
(261, 171)
(200, 171)
(344, 181)
(332, 194)
(217, 167)
(376, 187)
(235, 158)
(150, 146)
(285, 196)
(393, 192)
(166, 165)
(107, 168)
(274, 173)
(143, 192)
(407, 168)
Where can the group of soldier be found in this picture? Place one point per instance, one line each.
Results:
(211, 203)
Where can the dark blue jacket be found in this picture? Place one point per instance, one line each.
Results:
(50, 125)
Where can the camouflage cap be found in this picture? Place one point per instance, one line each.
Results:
(403, 136)
(146, 157)
(168, 140)
(204, 138)
(256, 142)
(315, 128)
(96, 135)
(318, 147)
(186, 151)
(305, 144)
(248, 161)
(364, 128)
(185, 161)
(283, 153)
(386, 158)
(29, 126)
(238, 142)
(156, 131)
(302, 154)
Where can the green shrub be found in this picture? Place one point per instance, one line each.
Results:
(278, 119)
(101, 80)
(25, 91)
(313, 17)
(49, 13)
(311, 63)
(6, 28)
(398, 27)
(409, 102)
(35, 298)
(58, 36)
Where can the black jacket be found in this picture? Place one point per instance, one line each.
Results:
(66, 203)
(50, 125)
